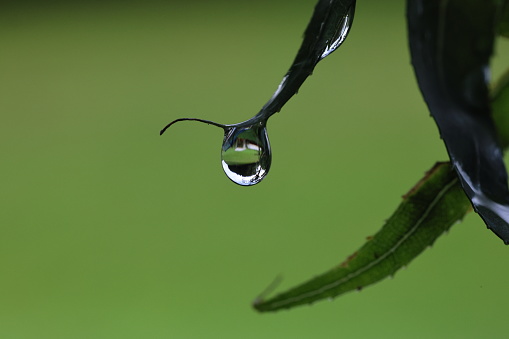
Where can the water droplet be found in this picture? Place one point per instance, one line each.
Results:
(246, 155)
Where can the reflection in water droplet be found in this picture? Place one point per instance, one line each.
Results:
(246, 155)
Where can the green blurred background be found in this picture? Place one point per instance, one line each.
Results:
(110, 231)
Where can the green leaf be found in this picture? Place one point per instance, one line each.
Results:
(427, 211)
(451, 43)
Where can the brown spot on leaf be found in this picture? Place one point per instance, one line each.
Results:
(347, 261)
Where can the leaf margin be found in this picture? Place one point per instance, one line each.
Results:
(440, 186)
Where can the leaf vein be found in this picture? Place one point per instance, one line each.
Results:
(363, 269)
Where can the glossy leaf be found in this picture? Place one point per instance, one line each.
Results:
(428, 210)
(326, 31)
(451, 43)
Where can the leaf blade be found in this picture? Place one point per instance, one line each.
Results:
(320, 39)
(429, 209)
(451, 43)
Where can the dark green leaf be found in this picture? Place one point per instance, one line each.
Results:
(429, 209)
(326, 31)
(451, 43)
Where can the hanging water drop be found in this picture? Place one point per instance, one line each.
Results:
(246, 154)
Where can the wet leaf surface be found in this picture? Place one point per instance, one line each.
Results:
(451, 43)
(326, 31)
